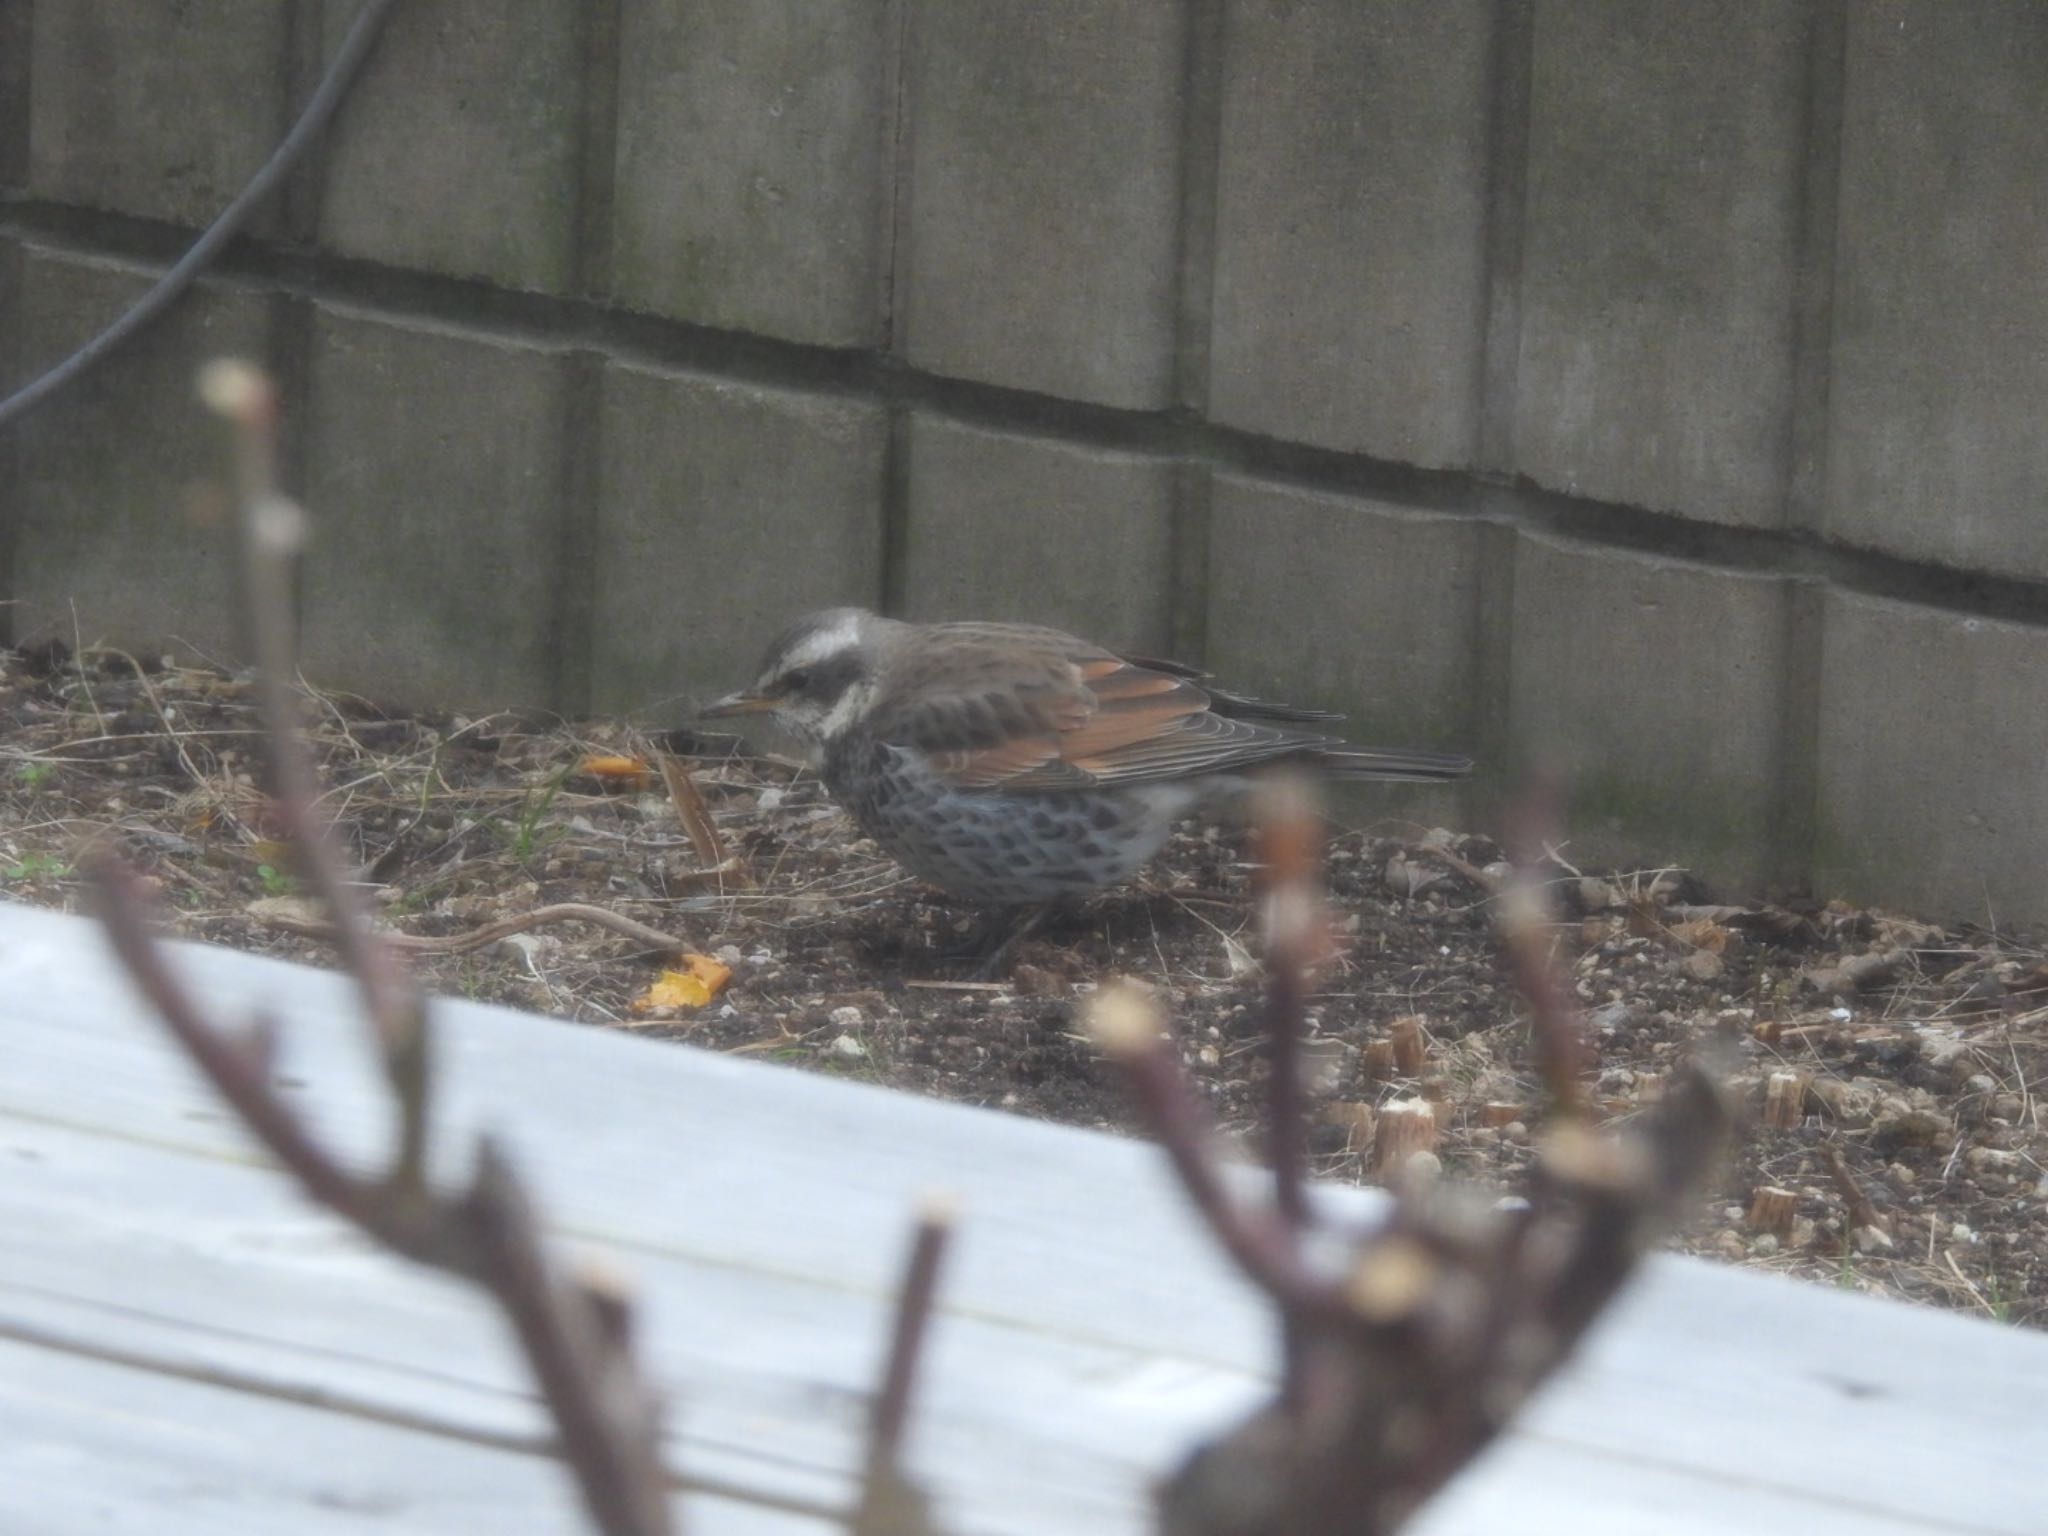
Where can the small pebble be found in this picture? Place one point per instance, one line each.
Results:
(1704, 965)
(1763, 1247)
(848, 1017)
(847, 1046)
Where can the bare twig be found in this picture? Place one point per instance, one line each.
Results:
(1486, 880)
(1527, 931)
(1296, 934)
(1296, 931)
(1862, 1212)
(176, 738)
(273, 531)
(237, 1069)
(892, 1503)
(1447, 1315)
(1127, 1025)
(490, 933)
(576, 1335)
(914, 1301)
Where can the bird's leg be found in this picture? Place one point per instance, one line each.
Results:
(1003, 931)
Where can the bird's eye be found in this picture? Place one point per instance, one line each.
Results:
(796, 681)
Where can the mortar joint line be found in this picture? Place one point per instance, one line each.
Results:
(1510, 66)
(565, 324)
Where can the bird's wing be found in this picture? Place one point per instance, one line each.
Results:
(1237, 705)
(1016, 707)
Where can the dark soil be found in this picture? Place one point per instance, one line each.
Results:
(1913, 1051)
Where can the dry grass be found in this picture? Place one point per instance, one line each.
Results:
(1924, 1048)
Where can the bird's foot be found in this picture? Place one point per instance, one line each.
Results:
(1001, 933)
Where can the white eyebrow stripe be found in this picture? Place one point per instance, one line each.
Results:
(842, 636)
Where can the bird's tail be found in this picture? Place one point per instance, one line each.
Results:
(1396, 763)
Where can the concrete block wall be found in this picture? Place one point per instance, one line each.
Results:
(1649, 391)
(1351, 203)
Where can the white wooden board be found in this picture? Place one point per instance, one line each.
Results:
(1087, 1328)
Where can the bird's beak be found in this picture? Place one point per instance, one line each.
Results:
(741, 703)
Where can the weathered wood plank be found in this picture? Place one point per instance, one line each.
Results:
(1087, 1328)
(90, 1446)
(768, 1370)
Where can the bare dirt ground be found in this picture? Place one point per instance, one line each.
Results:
(1907, 1056)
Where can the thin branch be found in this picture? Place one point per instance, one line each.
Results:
(1451, 1311)
(1296, 928)
(892, 1503)
(1528, 930)
(915, 1298)
(176, 738)
(489, 933)
(273, 531)
(1296, 931)
(236, 1070)
(608, 1418)
(1487, 881)
(1862, 1211)
(1127, 1027)
(1554, 1038)
(577, 1337)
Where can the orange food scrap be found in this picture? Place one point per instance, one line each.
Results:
(702, 979)
(619, 769)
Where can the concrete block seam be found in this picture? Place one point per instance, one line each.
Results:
(562, 324)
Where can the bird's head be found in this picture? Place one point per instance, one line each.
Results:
(816, 678)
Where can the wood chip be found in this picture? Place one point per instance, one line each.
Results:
(1406, 1037)
(1784, 1100)
(1771, 1209)
(1406, 1127)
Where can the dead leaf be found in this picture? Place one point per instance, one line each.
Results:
(624, 772)
(296, 914)
(267, 850)
(2028, 983)
(1908, 933)
(1703, 933)
(691, 811)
